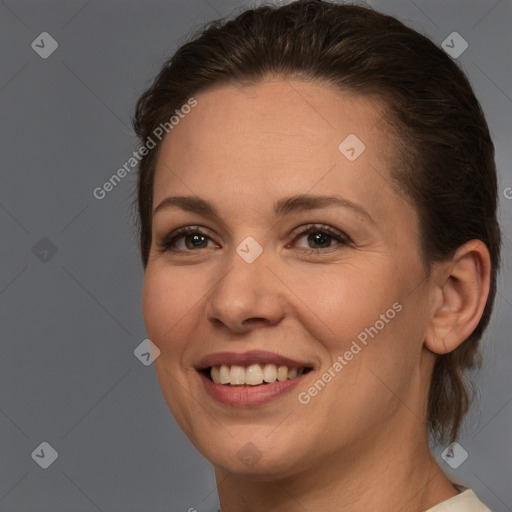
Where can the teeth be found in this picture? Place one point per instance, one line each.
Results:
(282, 373)
(223, 375)
(253, 375)
(270, 373)
(215, 373)
(237, 375)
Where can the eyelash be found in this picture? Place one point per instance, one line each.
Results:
(342, 239)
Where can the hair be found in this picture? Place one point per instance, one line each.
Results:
(446, 165)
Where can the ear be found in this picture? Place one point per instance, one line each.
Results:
(461, 291)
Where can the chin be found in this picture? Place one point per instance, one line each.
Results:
(254, 456)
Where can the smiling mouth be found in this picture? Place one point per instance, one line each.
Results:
(252, 375)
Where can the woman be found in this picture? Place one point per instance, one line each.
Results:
(317, 200)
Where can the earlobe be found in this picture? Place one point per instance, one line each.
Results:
(461, 291)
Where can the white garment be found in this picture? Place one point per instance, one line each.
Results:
(466, 501)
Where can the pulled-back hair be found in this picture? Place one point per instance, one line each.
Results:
(445, 156)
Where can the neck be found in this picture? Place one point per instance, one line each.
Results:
(397, 475)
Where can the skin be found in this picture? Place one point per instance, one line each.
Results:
(360, 443)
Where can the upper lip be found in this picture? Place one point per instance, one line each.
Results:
(247, 358)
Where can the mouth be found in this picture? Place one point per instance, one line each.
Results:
(250, 379)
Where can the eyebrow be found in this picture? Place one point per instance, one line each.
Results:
(283, 207)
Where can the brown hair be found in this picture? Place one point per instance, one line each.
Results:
(446, 165)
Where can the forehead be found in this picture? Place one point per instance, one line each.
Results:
(274, 130)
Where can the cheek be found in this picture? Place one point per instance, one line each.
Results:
(166, 301)
(339, 303)
(155, 303)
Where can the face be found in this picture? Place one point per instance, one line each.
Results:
(300, 254)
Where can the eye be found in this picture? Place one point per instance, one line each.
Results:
(321, 237)
(192, 238)
(184, 239)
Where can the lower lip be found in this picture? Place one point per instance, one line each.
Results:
(248, 396)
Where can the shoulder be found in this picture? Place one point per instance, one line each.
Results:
(466, 501)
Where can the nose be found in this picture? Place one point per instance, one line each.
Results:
(247, 296)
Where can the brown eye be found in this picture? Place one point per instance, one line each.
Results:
(321, 237)
(192, 237)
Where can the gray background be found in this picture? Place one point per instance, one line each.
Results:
(71, 319)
